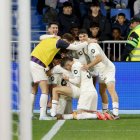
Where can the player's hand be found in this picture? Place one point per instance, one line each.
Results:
(92, 41)
(85, 67)
(65, 77)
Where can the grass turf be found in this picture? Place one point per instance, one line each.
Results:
(127, 128)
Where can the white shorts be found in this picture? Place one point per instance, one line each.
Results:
(38, 72)
(88, 101)
(107, 76)
(75, 91)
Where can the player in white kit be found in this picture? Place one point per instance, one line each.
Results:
(106, 73)
(87, 102)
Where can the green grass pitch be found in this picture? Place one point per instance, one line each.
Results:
(127, 128)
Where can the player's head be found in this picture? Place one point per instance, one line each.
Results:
(53, 28)
(67, 63)
(121, 18)
(57, 59)
(83, 35)
(68, 38)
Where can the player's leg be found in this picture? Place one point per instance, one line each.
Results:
(57, 91)
(33, 94)
(43, 98)
(104, 96)
(114, 96)
(39, 76)
(110, 82)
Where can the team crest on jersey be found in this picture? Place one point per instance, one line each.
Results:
(52, 78)
(93, 51)
(80, 53)
(75, 71)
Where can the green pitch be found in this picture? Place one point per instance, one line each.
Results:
(127, 128)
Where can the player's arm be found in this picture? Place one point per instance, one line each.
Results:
(65, 45)
(97, 59)
(132, 41)
(94, 52)
(76, 79)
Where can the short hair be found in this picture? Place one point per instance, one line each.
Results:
(65, 60)
(94, 24)
(57, 56)
(121, 14)
(51, 23)
(68, 37)
(116, 28)
(82, 31)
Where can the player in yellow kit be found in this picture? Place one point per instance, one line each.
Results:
(41, 57)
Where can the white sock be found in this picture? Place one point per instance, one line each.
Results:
(115, 108)
(86, 115)
(68, 116)
(54, 107)
(32, 102)
(105, 107)
(43, 104)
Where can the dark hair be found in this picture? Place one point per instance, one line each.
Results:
(51, 23)
(94, 3)
(121, 14)
(57, 56)
(82, 31)
(116, 28)
(94, 24)
(68, 37)
(67, 4)
(65, 60)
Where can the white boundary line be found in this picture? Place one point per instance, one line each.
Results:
(56, 127)
(120, 111)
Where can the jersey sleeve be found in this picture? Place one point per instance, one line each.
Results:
(93, 50)
(76, 72)
(54, 79)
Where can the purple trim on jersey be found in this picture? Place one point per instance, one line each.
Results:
(36, 60)
(61, 44)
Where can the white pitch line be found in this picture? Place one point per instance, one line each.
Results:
(54, 130)
(86, 130)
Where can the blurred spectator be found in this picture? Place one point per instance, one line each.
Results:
(74, 31)
(121, 3)
(105, 6)
(137, 7)
(51, 3)
(84, 6)
(50, 15)
(95, 31)
(116, 48)
(131, 7)
(40, 6)
(122, 23)
(67, 19)
(96, 16)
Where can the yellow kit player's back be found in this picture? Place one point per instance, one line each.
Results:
(46, 50)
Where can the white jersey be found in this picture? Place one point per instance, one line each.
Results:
(79, 54)
(81, 78)
(93, 50)
(58, 72)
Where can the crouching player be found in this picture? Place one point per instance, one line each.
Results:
(81, 86)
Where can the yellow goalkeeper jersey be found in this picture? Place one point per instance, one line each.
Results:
(45, 50)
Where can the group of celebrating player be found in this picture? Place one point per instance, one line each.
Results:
(72, 76)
